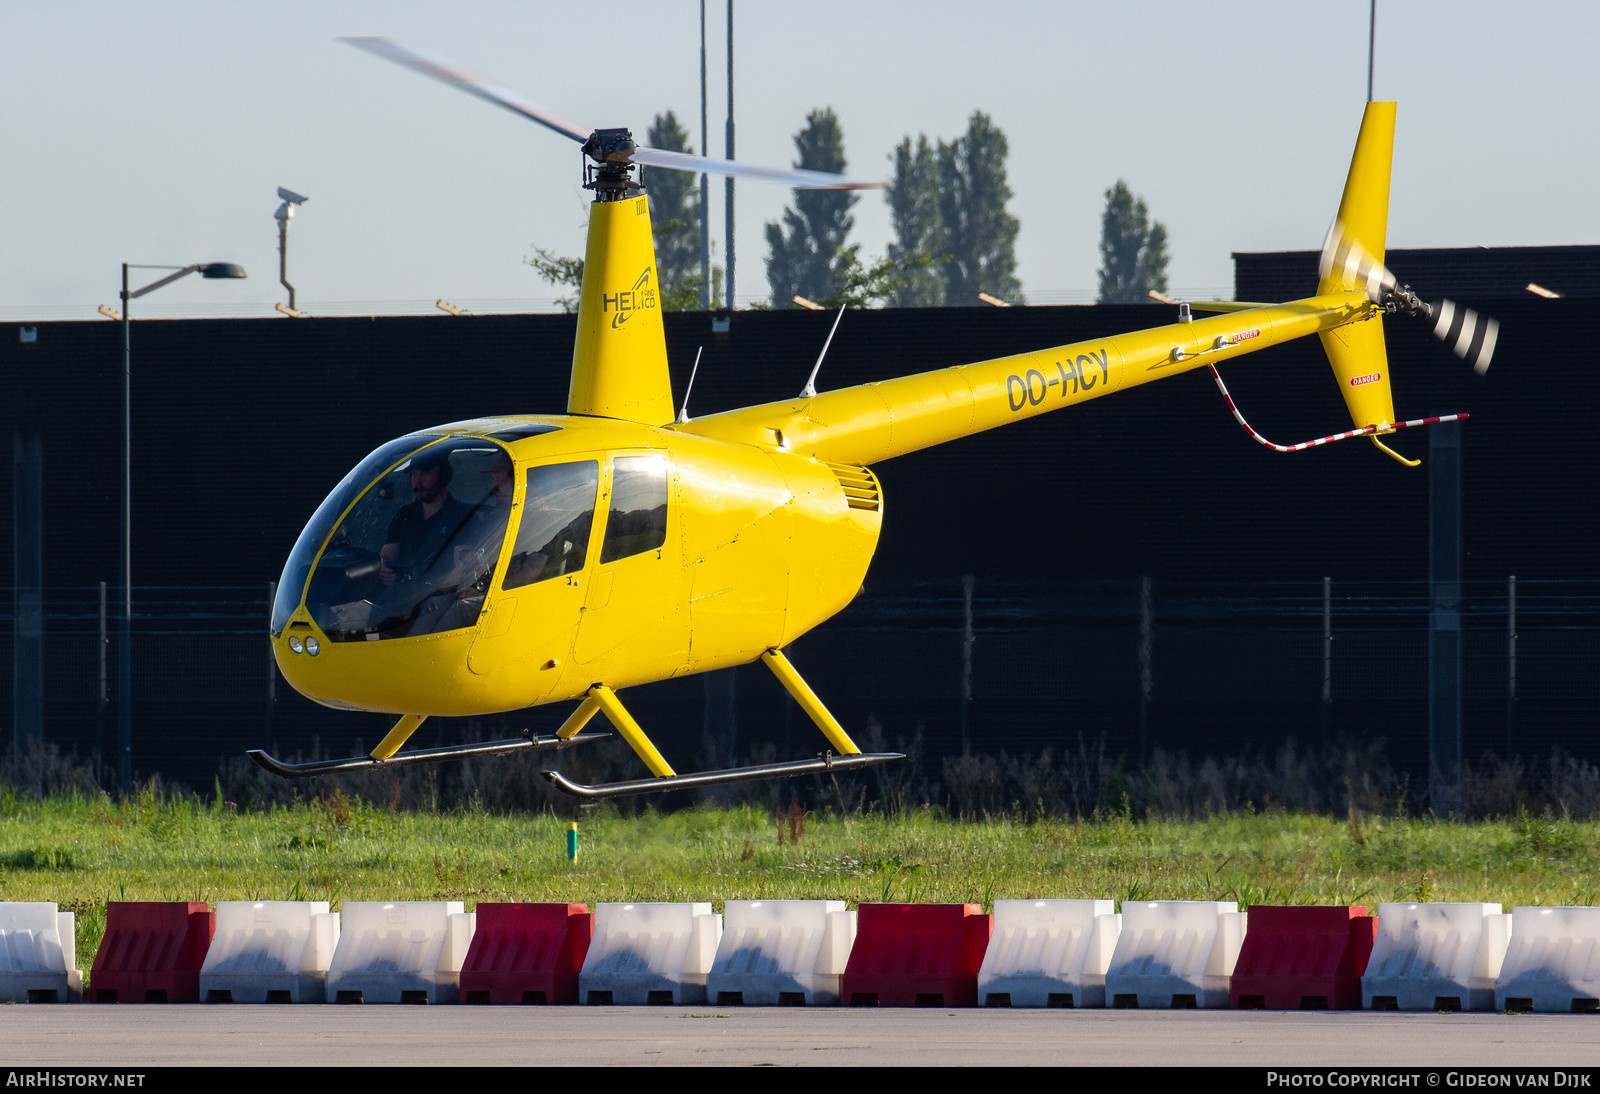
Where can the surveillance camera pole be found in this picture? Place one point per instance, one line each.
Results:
(284, 214)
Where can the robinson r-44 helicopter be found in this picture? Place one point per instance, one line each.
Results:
(510, 562)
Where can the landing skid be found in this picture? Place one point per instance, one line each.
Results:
(508, 747)
(825, 763)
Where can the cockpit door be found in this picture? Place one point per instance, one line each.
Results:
(635, 619)
(530, 620)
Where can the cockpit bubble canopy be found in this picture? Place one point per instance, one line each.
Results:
(406, 544)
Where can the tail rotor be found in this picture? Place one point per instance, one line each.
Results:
(1470, 335)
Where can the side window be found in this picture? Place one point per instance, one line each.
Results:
(557, 515)
(638, 520)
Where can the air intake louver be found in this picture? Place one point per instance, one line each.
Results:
(860, 486)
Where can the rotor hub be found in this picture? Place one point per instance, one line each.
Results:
(610, 175)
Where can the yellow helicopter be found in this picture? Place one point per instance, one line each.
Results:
(510, 562)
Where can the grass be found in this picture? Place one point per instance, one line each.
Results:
(81, 852)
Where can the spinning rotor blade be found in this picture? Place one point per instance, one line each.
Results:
(1469, 335)
(431, 64)
(796, 177)
(446, 71)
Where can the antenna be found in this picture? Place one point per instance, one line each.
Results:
(1372, 45)
(810, 390)
(683, 412)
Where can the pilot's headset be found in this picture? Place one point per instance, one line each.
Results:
(435, 457)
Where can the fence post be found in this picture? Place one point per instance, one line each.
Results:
(1327, 652)
(105, 690)
(272, 662)
(1444, 619)
(966, 655)
(1147, 676)
(1511, 665)
(27, 618)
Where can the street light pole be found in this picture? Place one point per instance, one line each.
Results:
(210, 271)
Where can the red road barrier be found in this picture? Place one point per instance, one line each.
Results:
(913, 955)
(526, 953)
(1303, 958)
(152, 952)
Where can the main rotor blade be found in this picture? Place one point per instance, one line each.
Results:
(440, 68)
(796, 177)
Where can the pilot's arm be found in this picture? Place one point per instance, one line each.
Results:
(387, 557)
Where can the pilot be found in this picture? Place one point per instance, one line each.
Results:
(422, 533)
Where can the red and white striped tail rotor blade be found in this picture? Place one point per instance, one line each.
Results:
(1355, 265)
(1469, 335)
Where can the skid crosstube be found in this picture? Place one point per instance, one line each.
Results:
(821, 765)
(844, 756)
(507, 747)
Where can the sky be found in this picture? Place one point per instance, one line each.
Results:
(158, 133)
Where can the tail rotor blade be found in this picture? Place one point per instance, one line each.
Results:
(1469, 335)
(1343, 253)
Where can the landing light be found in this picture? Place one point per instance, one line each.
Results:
(313, 647)
(294, 643)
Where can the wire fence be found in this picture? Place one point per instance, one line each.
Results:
(1210, 668)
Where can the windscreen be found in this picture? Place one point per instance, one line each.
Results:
(415, 554)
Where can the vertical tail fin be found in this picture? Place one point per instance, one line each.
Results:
(1356, 350)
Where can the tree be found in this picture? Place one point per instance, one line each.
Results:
(560, 272)
(948, 207)
(807, 251)
(675, 218)
(980, 236)
(1133, 250)
(875, 284)
(918, 227)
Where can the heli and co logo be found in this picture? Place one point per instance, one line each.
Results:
(1246, 335)
(641, 296)
(1369, 378)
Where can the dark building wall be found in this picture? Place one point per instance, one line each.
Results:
(1455, 272)
(242, 426)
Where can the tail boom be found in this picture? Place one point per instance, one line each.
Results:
(877, 421)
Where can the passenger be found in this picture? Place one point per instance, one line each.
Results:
(457, 602)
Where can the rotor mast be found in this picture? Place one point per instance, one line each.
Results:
(619, 359)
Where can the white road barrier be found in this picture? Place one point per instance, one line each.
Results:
(1552, 963)
(650, 953)
(1175, 953)
(270, 951)
(1436, 956)
(1049, 953)
(38, 954)
(781, 952)
(404, 952)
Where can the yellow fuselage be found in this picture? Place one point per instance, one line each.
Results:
(761, 546)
